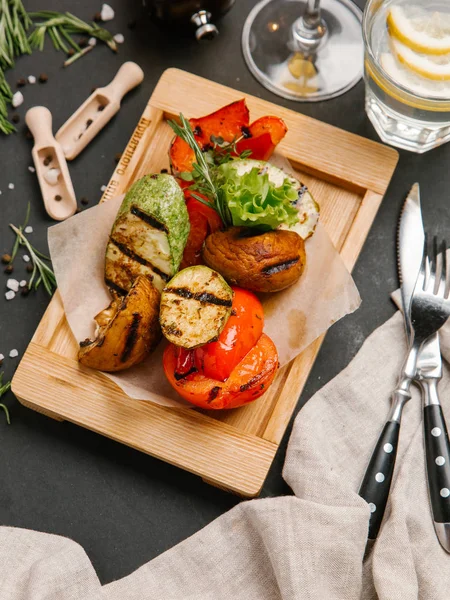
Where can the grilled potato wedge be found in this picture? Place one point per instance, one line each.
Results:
(260, 262)
(127, 331)
(195, 306)
(149, 234)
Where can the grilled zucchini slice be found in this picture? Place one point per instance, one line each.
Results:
(149, 234)
(195, 306)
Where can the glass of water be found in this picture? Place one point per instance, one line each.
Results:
(407, 71)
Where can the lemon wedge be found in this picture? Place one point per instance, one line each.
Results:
(413, 82)
(420, 29)
(431, 66)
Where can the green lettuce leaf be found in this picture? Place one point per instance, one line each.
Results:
(253, 200)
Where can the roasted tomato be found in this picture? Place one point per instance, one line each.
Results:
(243, 329)
(262, 137)
(247, 381)
(203, 220)
(233, 371)
(227, 122)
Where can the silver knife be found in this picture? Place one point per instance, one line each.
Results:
(377, 479)
(428, 372)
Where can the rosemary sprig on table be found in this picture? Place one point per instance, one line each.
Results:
(14, 23)
(15, 41)
(3, 389)
(60, 28)
(41, 273)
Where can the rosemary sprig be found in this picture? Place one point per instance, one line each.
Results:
(222, 151)
(60, 28)
(46, 275)
(15, 41)
(3, 389)
(14, 23)
(201, 175)
(5, 97)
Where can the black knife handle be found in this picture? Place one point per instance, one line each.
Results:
(437, 449)
(377, 479)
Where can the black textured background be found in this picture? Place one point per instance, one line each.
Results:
(124, 507)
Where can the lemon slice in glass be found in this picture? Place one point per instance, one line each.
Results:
(431, 66)
(420, 29)
(425, 88)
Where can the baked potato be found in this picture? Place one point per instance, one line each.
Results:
(260, 262)
(127, 331)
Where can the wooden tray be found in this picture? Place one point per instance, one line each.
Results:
(231, 449)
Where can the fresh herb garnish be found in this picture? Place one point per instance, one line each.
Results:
(242, 198)
(201, 175)
(3, 389)
(15, 23)
(223, 152)
(60, 28)
(41, 273)
(255, 201)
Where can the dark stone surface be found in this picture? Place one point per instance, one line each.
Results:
(123, 507)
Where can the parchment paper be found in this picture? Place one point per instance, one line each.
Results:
(294, 318)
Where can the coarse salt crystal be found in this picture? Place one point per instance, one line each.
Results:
(28, 229)
(31, 79)
(26, 258)
(103, 188)
(119, 38)
(107, 13)
(12, 284)
(92, 41)
(10, 295)
(31, 169)
(13, 353)
(17, 99)
(23, 283)
(51, 176)
(11, 186)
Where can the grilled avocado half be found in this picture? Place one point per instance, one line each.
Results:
(149, 234)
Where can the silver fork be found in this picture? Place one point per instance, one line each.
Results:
(431, 307)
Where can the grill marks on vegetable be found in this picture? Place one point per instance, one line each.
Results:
(136, 234)
(149, 219)
(195, 307)
(128, 252)
(278, 267)
(202, 297)
(132, 337)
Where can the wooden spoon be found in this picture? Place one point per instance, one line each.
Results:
(97, 110)
(51, 167)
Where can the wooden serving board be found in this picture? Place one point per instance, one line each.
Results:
(233, 450)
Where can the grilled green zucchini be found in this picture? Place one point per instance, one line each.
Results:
(195, 306)
(149, 234)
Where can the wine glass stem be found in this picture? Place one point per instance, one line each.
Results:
(311, 18)
(309, 31)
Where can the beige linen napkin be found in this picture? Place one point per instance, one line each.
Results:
(309, 546)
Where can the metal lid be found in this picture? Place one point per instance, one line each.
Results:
(205, 30)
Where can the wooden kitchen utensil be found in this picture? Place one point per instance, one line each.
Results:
(97, 110)
(51, 167)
